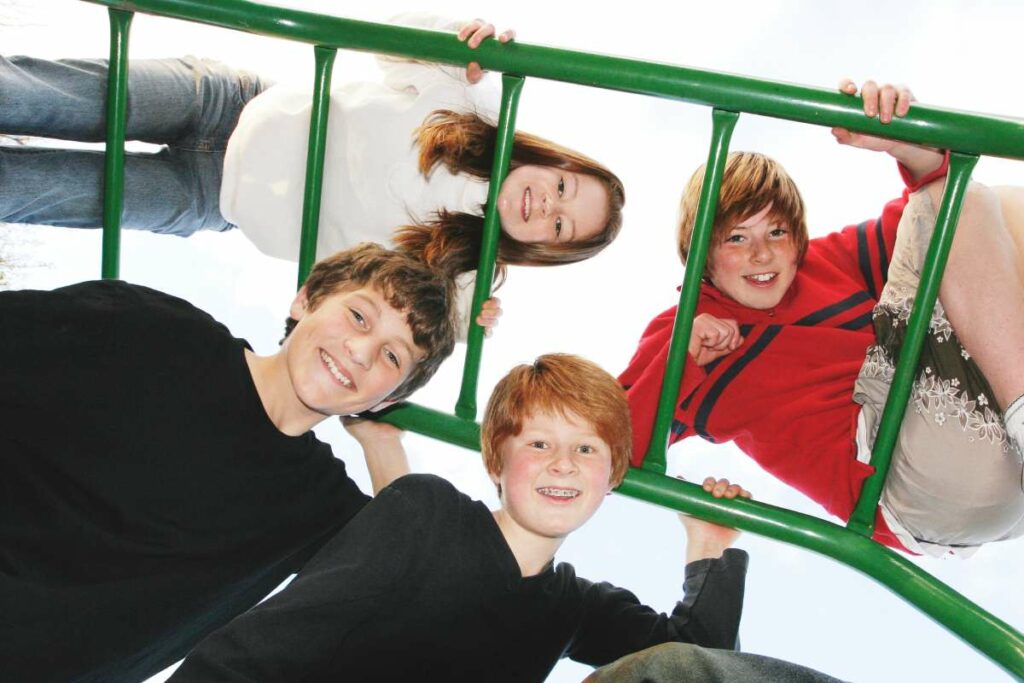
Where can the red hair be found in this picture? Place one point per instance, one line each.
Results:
(558, 384)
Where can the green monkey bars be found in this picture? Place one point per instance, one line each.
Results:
(967, 135)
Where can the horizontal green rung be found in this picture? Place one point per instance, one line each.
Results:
(435, 424)
(990, 635)
(968, 133)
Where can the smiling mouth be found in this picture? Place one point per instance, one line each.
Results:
(558, 492)
(336, 372)
(761, 279)
(525, 209)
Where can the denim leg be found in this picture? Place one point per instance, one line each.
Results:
(189, 103)
(174, 191)
(684, 663)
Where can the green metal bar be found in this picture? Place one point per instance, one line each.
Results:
(435, 424)
(723, 123)
(511, 88)
(983, 631)
(986, 633)
(968, 133)
(862, 520)
(113, 161)
(315, 159)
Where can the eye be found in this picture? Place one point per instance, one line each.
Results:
(393, 358)
(735, 239)
(779, 232)
(586, 449)
(538, 445)
(358, 317)
(561, 186)
(558, 228)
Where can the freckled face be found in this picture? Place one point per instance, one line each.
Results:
(756, 263)
(555, 474)
(349, 353)
(541, 204)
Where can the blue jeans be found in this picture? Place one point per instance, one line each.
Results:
(685, 663)
(190, 106)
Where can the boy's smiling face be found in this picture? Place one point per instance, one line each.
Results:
(756, 262)
(555, 474)
(349, 353)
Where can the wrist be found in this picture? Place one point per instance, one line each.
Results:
(918, 161)
(705, 549)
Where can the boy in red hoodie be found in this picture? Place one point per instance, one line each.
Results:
(795, 341)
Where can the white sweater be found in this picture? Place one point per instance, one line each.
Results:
(371, 181)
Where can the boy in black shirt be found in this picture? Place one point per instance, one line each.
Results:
(157, 477)
(427, 584)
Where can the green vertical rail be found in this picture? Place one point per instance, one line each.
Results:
(862, 520)
(511, 88)
(324, 57)
(113, 161)
(723, 123)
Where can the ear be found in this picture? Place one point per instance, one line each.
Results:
(495, 479)
(299, 304)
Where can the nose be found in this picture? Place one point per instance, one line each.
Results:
(760, 252)
(545, 204)
(562, 461)
(358, 348)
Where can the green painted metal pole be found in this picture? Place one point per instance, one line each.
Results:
(433, 423)
(723, 123)
(862, 520)
(324, 57)
(983, 631)
(113, 161)
(990, 635)
(946, 129)
(511, 88)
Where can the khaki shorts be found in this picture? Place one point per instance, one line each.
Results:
(955, 479)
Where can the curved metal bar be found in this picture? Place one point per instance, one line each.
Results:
(968, 133)
(988, 634)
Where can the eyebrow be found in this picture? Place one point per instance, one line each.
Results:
(398, 341)
(575, 193)
(369, 302)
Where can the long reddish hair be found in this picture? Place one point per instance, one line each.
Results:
(464, 143)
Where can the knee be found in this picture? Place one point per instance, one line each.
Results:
(981, 208)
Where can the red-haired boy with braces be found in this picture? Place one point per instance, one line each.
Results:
(427, 584)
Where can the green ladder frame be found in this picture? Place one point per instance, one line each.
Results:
(968, 135)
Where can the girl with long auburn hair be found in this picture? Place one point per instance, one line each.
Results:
(412, 153)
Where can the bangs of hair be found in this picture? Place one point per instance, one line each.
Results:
(750, 182)
(564, 385)
(464, 143)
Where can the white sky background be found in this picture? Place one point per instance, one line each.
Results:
(799, 606)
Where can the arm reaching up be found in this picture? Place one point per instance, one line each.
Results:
(705, 540)
(382, 448)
